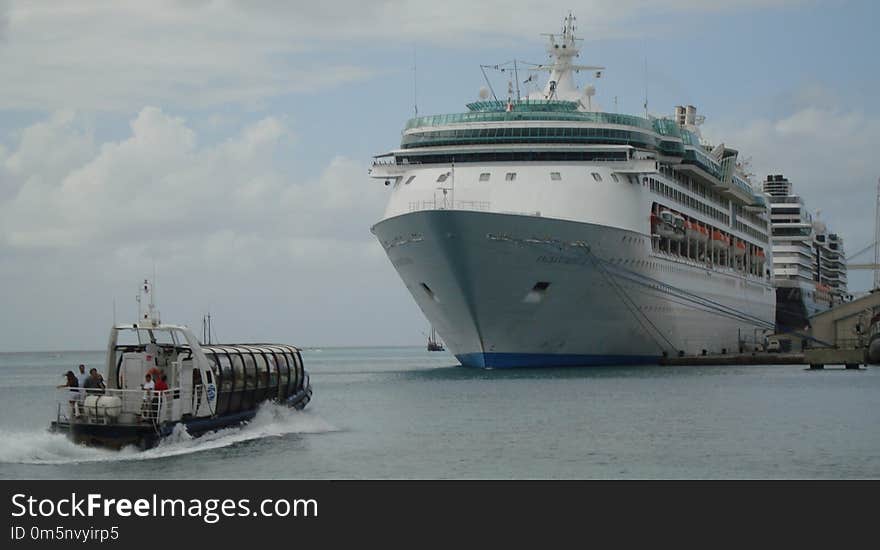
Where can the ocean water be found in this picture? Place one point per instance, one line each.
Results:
(407, 413)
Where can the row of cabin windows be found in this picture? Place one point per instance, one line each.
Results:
(247, 376)
(661, 188)
(461, 157)
(751, 216)
(438, 138)
(511, 176)
(694, 186)
(751, 231)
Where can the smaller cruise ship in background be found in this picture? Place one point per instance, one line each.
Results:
(809, 264)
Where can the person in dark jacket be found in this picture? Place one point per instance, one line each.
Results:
(94, 383)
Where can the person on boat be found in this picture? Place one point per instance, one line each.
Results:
(71, 381)
(73, 391)
(148, 384)
(149, 402)
(161, 386)
(82, 376)
(94, 383)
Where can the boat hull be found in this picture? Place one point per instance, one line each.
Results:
(145, 435)
(506, 290)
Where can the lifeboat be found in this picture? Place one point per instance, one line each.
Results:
(695, 232)
(671, 226)
(739, 249)
(705, 232)
(758, 256)
(719, 240)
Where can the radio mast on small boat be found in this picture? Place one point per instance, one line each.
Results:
(206, 329)
(146, 295)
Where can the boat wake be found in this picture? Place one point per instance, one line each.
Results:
(44, 447)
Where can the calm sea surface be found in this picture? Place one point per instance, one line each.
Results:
(407, 413)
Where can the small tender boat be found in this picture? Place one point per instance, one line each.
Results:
(739, 249)
(208, 387)
(434, 343)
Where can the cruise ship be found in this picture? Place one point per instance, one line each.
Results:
(539, 230)
(809, 269)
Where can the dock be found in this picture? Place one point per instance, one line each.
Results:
(748, 358)
(837, 336)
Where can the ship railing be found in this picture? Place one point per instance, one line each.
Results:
(482, 206)
(842, 343)
(135, 406)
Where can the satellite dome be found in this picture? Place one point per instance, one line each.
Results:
(484, 93)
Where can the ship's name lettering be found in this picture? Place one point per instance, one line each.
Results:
(561, 260)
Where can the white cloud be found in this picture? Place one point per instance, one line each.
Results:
(4, 19)
(159, 177)
(827, 151)
(268, 249)
(121, 55)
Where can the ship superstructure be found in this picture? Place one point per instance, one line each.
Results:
(539, 230)
(809, 270)
(831, 264)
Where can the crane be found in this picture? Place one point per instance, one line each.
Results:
(875, 245)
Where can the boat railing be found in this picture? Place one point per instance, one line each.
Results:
(842, 343)
(120, 406)
(482, 206)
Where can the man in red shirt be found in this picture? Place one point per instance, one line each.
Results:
(162, 383)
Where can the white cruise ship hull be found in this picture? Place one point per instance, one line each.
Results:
(509, 290)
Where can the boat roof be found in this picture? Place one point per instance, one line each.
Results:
(150, 326)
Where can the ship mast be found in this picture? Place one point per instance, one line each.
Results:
(563, 49)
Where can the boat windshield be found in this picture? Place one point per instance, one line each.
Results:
(137, 338)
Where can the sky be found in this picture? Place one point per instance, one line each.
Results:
(224, 146)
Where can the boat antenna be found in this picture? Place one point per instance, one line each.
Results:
(153, 285)
(415, 86)
(516, 79)
(488, 83)
(646, 85)
(206, 329)
(150, 316)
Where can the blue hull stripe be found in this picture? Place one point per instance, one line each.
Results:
(511, 360)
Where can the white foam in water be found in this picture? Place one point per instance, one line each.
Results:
(43, 447)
